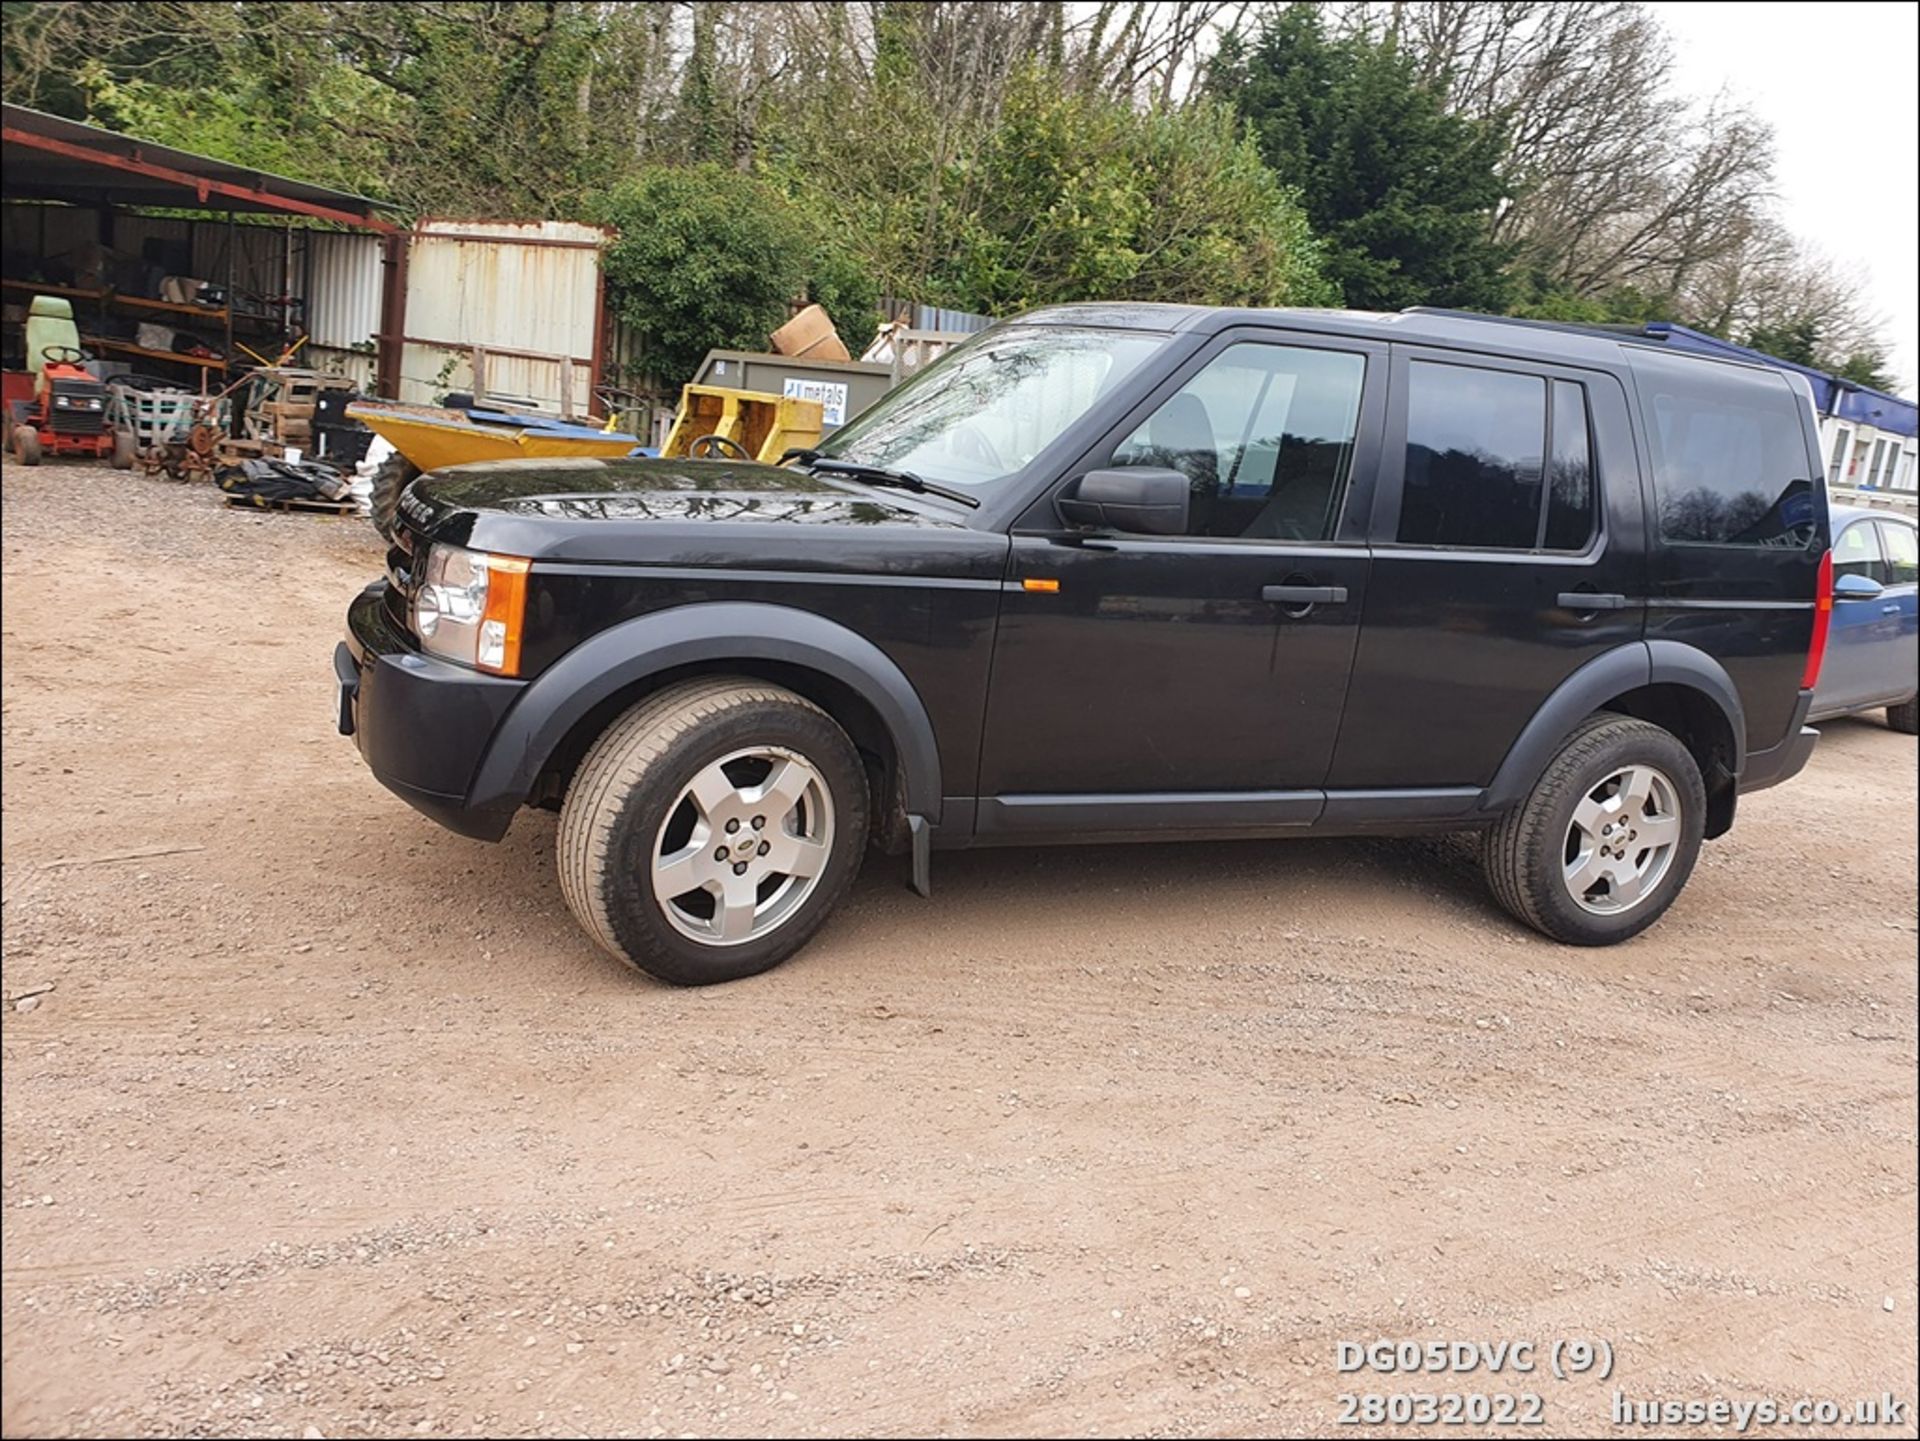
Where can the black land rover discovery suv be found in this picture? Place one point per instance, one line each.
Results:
(1127, 572)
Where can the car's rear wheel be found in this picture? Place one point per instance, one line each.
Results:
(1606, 839)
(711, 829)
(1905, 716)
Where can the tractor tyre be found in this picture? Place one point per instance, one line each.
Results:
(390, 477)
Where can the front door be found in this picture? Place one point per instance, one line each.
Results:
(1901, 606)
(1859, 659)
(1199, 675)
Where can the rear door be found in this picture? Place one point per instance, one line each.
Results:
(1507, 551)
(1175, 667)
(1739, 523)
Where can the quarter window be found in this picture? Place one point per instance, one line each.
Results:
(1903, 552)
(1856, 552)
(1264, 435)
(1730, 461)
(1496, 461)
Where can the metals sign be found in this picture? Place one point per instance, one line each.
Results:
(831, 394)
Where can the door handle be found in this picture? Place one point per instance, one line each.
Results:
(1589, 600)
(1305, 594)
(1889, 610)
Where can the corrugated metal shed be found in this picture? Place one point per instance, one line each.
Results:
(525, 295)
(960, 322)
(343, 285)
(52, 158)
(45, 229)
(339, 273)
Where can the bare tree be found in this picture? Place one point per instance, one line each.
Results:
(1776, 283)
(1614, 181)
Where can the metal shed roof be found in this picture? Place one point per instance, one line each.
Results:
(50, 158)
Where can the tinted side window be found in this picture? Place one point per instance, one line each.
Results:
(1902, 544)
(1264, 435)
(1569, 518)
(1730, 461)
(1475, 443)
(1856, 552)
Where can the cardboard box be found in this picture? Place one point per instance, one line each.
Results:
(181, 289)
(810, 333)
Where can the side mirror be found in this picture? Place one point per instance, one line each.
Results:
(1147, 499)
(1856, 587)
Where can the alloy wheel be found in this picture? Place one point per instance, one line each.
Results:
(743, 846)
(1622, 840)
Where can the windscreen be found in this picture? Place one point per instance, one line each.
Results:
(986, 410)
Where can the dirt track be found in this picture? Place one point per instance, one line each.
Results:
(334, 1120)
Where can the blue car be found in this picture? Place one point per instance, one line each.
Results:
(1873, 645)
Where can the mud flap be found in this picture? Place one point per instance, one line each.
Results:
(920, 837)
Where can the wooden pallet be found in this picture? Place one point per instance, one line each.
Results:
(312, 507)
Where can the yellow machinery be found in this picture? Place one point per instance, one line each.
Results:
(430, 436)
(717, 422)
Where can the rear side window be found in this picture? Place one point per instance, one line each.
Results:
(1856, 552)
(1568, 522)
(1496, 461)
(1902, 544)
(1730, 460)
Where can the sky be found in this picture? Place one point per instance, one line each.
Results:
(1838, 84)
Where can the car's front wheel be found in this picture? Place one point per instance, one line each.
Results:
(1607, 837)
(711, 829)
(1905, 716)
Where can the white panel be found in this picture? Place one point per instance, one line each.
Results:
(499, 294)
(356, 365)
(343, 300)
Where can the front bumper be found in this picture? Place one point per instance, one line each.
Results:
(1786, 760)
(421, 724)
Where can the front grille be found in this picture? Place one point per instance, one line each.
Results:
(77, 407)
(401, 579)
(78, 422)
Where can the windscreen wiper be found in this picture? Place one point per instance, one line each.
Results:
(880, 475)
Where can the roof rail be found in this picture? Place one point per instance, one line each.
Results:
(1572, 327)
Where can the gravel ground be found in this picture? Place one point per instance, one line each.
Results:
(334, 1123)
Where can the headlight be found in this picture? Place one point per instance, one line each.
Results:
(469, 605)
(63, 402)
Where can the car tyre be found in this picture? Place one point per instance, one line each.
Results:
(1905, 717)
(1606, 839)
(390, 477)
(719, 767)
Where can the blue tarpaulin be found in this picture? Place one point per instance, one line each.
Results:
(1831, 395)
